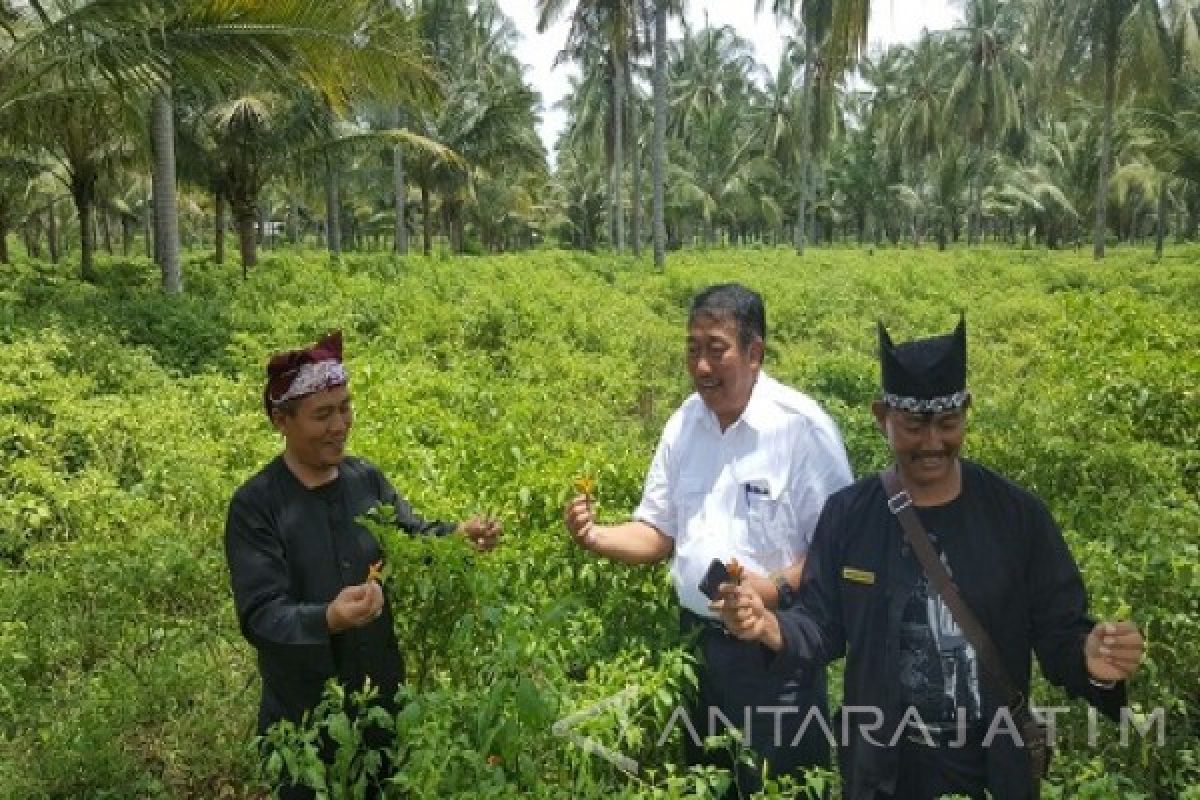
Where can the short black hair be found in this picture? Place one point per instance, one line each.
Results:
(288, 407)
(733, 301)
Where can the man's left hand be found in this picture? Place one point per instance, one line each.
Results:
(1113, 651)
(482, 532)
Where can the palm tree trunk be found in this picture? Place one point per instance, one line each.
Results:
(219, 225)
(817, 176)
(87, 239)
(618, 165)
(975, 223)
(126, 235)
(636, 198)
(147, 234)
(152, 222)
(293, 222)
(166, 211)
(919, 181)
(1160, 227)
(264, 227)
(1110, 101)
(400, 187)
(333, 222)
(105, 223)
(83, 192)
(659, 146)
(805, 143)
(32, 236)
(247, 235)
(426, 222)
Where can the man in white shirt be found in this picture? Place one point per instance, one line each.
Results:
(742, 471)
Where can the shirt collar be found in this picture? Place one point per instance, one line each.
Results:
(756, 414)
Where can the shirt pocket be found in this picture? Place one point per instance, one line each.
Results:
(769, 523)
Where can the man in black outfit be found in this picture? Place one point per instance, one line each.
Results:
(298, 560)
(865, 596)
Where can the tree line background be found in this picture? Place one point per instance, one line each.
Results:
(164, 127)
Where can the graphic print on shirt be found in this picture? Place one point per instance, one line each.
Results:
(939, 670)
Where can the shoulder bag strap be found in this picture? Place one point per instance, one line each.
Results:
(900, 504)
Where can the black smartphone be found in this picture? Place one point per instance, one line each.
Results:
(713, 578)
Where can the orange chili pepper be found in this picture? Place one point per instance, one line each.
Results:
(375, 571)
(736, 570)
(585, 485)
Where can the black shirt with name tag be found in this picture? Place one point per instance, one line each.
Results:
(1014, 571)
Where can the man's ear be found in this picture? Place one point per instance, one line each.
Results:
(757, 351)
(880, 409)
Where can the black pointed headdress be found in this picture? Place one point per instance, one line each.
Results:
(925, 376)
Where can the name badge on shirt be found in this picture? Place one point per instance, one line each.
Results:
(858, 575)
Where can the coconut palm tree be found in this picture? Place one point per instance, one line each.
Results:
(984, 98)
(1164, 49)
(662, 9)
(1100, 24)
(87, 132)
(710, 67)
(620, 28)
(834, 34)
(16, 175)
(919, 126)
(91, 44)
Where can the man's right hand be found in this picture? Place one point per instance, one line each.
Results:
(354, 607)
(580, 521)
(744, 615)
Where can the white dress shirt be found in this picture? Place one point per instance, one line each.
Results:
(752, 492)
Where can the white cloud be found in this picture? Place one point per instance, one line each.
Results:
(891, 21)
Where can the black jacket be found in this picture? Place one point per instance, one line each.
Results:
(290, 551)
(1013, 570)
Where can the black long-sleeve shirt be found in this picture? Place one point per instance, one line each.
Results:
(290, 551)
(1012, 568)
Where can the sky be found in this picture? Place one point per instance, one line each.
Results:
(891, 21)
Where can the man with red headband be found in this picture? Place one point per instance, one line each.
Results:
(299, 561)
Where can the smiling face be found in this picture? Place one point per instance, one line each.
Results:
(925, 446)
(315, 433)
(723, 372)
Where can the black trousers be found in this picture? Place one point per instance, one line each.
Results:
(736, 688)
(927, 773)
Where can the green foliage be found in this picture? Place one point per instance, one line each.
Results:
(485, 386)
(353, 728)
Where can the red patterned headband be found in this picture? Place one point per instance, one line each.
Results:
(297, 373)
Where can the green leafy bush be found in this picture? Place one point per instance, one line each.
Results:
(485, 385)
